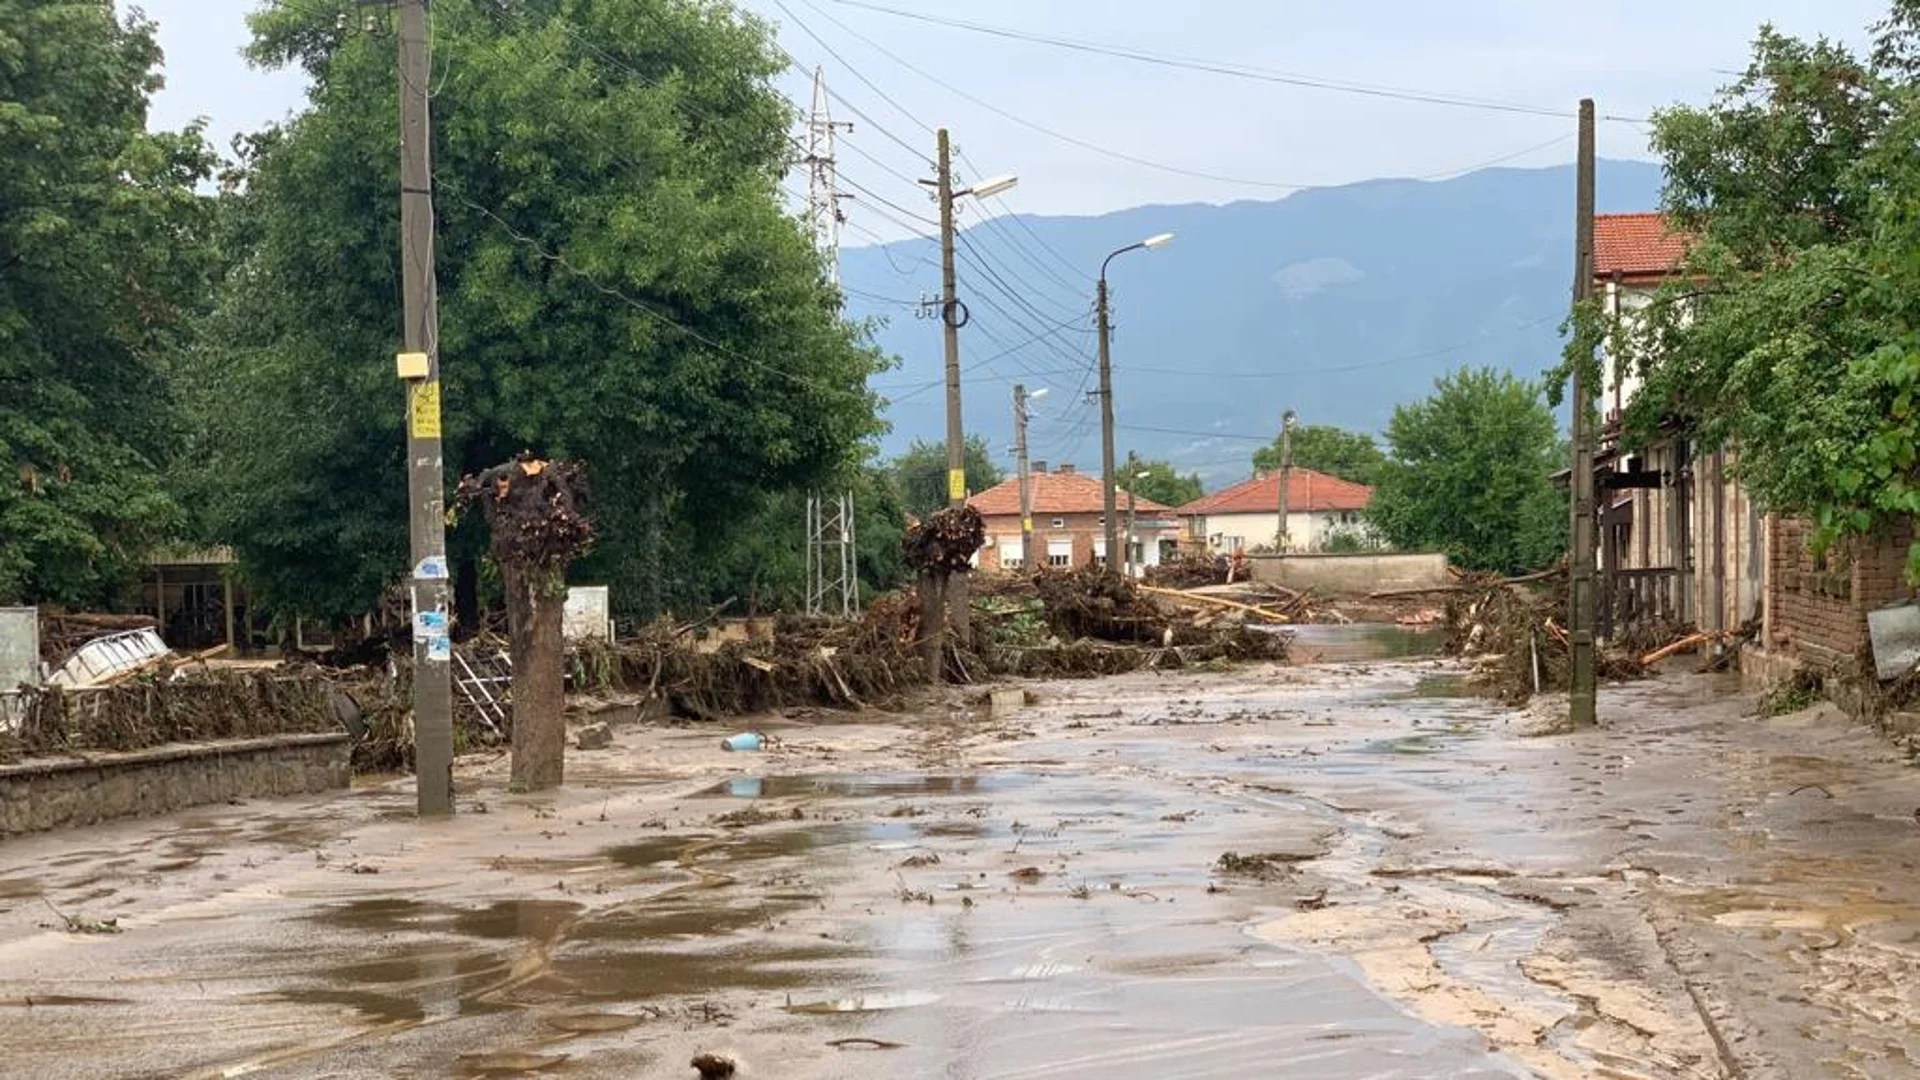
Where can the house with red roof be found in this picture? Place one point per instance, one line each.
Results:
(1633, 256)
(1680, 540)
(1068, 522)
(1247, 515)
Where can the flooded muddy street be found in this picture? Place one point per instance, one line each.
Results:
(1341, 871)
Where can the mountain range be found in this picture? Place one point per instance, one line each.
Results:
(1338, 303)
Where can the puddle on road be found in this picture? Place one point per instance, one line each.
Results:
(1442, 687)
(867, 1003)
(503, 919)
(1315, 644)
(866, 786)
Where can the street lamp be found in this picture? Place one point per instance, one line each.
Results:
(1282, 540)
(934, 625)
(1106, 389)
(1020, 400)
(950, 309)
(1131, 484)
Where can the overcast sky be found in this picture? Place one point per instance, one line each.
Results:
(1631, 56)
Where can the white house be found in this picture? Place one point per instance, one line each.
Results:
(1247, 515)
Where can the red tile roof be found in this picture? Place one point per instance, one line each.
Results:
(1309, 491)
(1056, 493)
(1635, 245)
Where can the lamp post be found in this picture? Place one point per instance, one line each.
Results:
(1109, 523)
(1020, 400)
(1132, 483)
(952, 316)
(951, 311)
(1283, 539)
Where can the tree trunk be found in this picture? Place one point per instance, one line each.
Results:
(466, 597)
(534, 609)
(933, 623)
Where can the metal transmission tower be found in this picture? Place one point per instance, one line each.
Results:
(833, 579)
(832, 572)
(823, 192)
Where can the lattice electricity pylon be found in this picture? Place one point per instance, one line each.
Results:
(833, 579)
(823, 193)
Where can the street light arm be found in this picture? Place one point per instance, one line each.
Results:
(1116, 254)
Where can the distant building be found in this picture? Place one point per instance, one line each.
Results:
(1069, 522)
(1247, 515)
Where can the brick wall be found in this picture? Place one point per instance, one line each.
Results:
(1819, 605)
(1082, 529)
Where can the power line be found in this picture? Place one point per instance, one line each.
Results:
(1234, 70)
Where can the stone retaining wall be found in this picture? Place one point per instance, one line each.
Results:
(56, 793)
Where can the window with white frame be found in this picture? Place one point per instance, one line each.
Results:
(1012, 557)
(1059, 523)
(1060, 553)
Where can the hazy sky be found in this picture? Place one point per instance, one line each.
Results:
(1631, 56)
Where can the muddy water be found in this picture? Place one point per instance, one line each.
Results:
(1416, 891)
(1317, 644)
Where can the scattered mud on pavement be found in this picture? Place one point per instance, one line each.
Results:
(1344, 871)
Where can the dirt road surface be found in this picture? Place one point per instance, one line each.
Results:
(1322, 873)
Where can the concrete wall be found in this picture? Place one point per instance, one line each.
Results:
(57, 793)
(1352, 575)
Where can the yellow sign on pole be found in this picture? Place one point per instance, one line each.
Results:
(956, 484)
(424, 410)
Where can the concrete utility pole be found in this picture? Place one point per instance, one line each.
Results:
(1133, 481)
(1110, 524)
(1282, 539)
(950, 332)
(1582, 610)
(1026, 477)
(419, 367)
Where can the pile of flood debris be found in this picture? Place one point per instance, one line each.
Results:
(168, 704)
(1515, 632)
(1053, 624)
(1089, 622)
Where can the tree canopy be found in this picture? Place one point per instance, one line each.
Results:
(1791, 333)
(619, 284)
(104, 255)
(1349, 455)
(1471, 475)
(1162, 483)
(920, 474)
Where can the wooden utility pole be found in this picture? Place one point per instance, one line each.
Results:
(1108, 522)
(1581, 603)
(1026, 477)
(1282, 539)
(419, 367)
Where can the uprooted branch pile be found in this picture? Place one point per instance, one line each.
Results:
(62, 633)
(1516, 634)
(945, 541)
(1050, 625)
(1090, 622)
(153, 711)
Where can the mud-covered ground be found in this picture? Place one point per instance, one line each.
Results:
(1414, 886)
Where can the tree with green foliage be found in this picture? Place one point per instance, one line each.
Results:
(1161, 484)
(104, 255)
(1791, 333)
(1471, 475)
(1349, 455)
(920, 474)
(620, 284)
